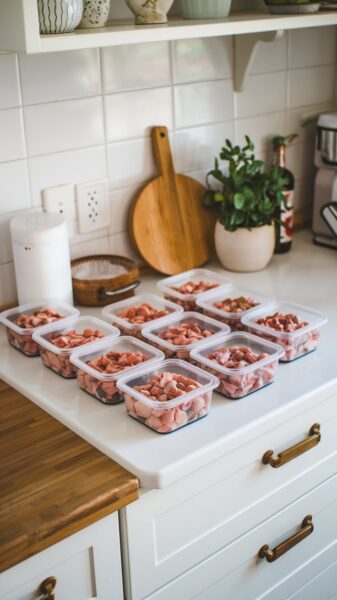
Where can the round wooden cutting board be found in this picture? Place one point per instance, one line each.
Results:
(170, 227)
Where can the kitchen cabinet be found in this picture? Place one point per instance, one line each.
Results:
(86, 565)
(19, 31)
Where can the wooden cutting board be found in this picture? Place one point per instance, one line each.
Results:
(171, 229)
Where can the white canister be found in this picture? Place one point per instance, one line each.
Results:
(41, 257)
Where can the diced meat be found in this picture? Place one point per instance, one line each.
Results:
(39, 317)
(184, 334)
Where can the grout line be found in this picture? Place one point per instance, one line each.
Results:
(104, 116)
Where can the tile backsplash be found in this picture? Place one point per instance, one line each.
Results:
(85, 115)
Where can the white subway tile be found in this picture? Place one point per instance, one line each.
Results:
(66, 167)
(271, 56)
(120, 204)
(202, 59)
(8, 294)
(9, 77)
(59, 126)
(130, 163)
(263, 93)
(6, 253)
(306, 133)
(300, 160)
(14, 191)
(195, 149)
(313, 46)
(132, 114)
(314, 85)
(59, 75)
(201, 103)
(12, 142)
(121, 244)
(135, 67)
(97, 246)
(261, 129)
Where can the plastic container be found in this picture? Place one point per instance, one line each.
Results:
(151, 333)
(170, 415)
(58, 359)
(21, 337)
(233, 319)
(296, 343)
(239, 382)
(103, 385)
(111, 312)
(189, 301)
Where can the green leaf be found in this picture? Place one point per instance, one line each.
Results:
(239, 201)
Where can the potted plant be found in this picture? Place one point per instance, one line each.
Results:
(247, 202)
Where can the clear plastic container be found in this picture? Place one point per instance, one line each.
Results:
(239, 382)
(21, 337)
(58, 359)
(170, 415)
(189, 301)
(152, 332)
(103, 385)
(233, 319)
(297, 343)
(112, 312)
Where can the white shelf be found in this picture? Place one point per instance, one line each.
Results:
(19, 29)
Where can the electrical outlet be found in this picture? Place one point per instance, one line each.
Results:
(61, 199)
(92, 205)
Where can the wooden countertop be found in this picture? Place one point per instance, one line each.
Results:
(53, 483)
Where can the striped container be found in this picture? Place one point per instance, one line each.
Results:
(59, 16)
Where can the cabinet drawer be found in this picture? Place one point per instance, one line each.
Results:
(86, 565)
(185, 523)
(238, 572)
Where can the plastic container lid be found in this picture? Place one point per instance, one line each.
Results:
(257, 344)
(151, 331)
(7, 316)
(196, 275)
(208, 382)
(112, 311)
(314, 319)
(81, 355)
(75, 323)
(206, 301)
(37, 227)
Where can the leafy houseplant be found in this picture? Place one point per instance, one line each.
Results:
(249, 200)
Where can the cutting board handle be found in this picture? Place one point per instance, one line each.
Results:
(162, 151)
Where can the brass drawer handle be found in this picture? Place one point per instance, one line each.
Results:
(307, 527)
(47, 588)
(287, 455)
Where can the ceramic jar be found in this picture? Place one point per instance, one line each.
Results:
(205, 9)
(148, 12)
(95, 13)
(59, 16)
(245, 250)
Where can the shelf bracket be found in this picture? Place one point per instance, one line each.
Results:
(245, 49)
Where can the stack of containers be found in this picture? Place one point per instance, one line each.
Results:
(244, 301)
(58, 358)
(21, 337)
(113, 312)
(198, 281)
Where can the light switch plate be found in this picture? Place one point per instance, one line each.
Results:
(92, 199)
(61, 199)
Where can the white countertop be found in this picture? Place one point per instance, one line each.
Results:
(307, 275)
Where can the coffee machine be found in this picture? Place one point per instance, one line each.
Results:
(325, 199)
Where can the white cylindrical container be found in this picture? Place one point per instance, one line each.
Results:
(41, 257)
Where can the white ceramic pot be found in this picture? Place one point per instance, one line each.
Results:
(245, 250)
(148, 12)
(95, 13)
(59, 16)
(205, 9)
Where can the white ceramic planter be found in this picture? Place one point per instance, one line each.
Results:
(148, 12)
(205, 9)
(245, 250)
(59, 16)
(95, 13)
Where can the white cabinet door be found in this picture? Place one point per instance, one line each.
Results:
(87, 565)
